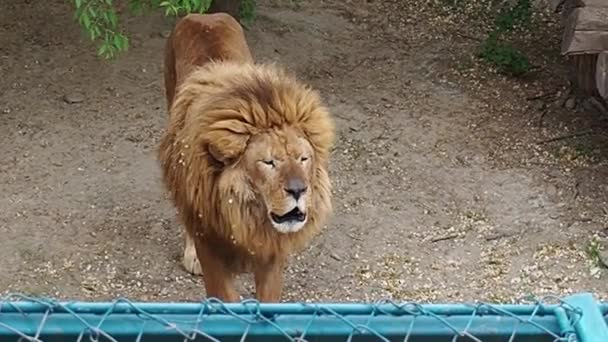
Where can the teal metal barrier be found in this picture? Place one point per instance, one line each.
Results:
(575, 318)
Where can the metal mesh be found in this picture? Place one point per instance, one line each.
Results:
(25, 318)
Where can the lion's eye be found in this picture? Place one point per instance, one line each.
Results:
(269, 162)
(303, 159)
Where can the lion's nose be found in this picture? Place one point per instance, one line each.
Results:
(296, 187)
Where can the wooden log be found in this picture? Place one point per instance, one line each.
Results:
(601, 74)
(586, 31)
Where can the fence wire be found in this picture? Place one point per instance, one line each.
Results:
(24, 318)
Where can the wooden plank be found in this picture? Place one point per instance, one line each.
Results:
(593, 3)
(588, 19)
(601, 74)
(585, 42)
(586, 30)
(567, 6)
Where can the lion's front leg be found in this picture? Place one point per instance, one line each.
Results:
(269, 281)
(217, 276)
(190, 261)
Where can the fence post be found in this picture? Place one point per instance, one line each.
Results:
(591, 327)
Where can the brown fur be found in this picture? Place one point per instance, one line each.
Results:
(226, 111)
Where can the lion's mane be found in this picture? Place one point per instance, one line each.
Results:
(220, 106)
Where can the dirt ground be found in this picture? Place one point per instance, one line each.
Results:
(442, 189)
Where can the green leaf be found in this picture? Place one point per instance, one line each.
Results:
(125, 43)
(113, 18)
(86, 21)
(94, 32)
(78, 3)
(102, 49)
(120, 42)
(205, 4)
(116, 41)
(197, 4)
(91, 32)
(105, 19)
(92, 12)
(136, 6)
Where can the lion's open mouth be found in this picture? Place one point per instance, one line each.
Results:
(295, 215)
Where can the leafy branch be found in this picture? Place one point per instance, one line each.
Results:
(100, 21)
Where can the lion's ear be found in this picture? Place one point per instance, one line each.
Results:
(215, 153)
(228, 148)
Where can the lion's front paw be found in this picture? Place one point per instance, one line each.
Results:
(190, 262)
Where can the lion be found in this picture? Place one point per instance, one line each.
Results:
(244, 157)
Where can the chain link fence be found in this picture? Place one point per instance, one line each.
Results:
(574, 318)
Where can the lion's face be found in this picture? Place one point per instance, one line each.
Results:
(279, 165)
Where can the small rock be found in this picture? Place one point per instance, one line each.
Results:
(540, 106)
(359, 12)
(552, 190)
(498, 235)
(134, 138)
(165, 34)
(560, 102)
(570, 103)
(595, 272)
(73, 98)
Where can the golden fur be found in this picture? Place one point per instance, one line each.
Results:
(228, 115)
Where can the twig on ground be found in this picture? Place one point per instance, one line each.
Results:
(499, 235)
(541, 118)
(568, 136)
(541, 96)
(353, 237)
(601, 107)
(467, 36)
(576, 191)
(444, 237)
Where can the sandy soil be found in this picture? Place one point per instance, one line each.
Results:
(442, 190)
